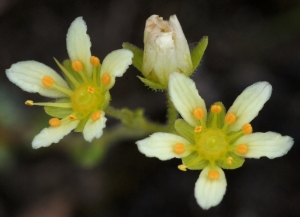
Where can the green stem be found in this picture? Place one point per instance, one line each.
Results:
(172, 114)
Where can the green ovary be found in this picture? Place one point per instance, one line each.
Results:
(86, 99)
(211, 144)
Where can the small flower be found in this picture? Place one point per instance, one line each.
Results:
(82, 97)
(216, 139)
(165, 51)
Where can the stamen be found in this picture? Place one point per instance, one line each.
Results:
(96, 115)
(29, 103)
(198, 129)
(77, 65)
(72, 118)
(230, 118)
(47, 81)
(54, 122)
(179, 148)
(242, 149)
(105, 79)
(216, 109)
(213, 174)
(229, 160)
(198, 113)
(182, 167)
(91, 90)
(94, 61)
(247, 129)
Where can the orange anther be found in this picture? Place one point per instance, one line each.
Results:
(179, 148)
(77, 65)
(242, 149)
(247, 129)
(229, 160)
(94, 61)
(182, 167)
(197, 129)
(213, 174)
(198, 113)
(91, 90)
(54, 122)
(29, 102)
(216, 109)
(96, 115)
(72, 118)
(230, 118)
(105, 79)
(47, 81)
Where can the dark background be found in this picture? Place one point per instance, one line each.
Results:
(249, 41)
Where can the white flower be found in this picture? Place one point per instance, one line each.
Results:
(165, 49)
(214, 140)
(82, 97)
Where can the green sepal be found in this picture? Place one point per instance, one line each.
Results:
(67, 64)
(152, 85)
(81, 124)
(138, 53)
(237, 161)
(58, 112)
(198, 52)
(189, 162)
(219, 117)
(185, 130)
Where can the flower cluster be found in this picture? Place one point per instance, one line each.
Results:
(82, 96)
(216, 139)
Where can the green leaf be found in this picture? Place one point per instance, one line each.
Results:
(138, 53)
(198, 53)
(58, 112)
(185, 130)
(236, 162)
(192, 163)
(152, 85)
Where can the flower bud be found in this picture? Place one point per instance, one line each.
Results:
(165, 50)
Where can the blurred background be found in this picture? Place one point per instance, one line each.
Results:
(249, 41)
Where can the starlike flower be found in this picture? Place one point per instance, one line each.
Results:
(215, 140)
(82, 97)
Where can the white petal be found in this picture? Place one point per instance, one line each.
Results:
(94, 129)
(53, 134)
(79, 44)
(268, 144)
(115, 64)
(185, 97)
(28, 76)
(209, 192)
(249, 103)
(161, 145)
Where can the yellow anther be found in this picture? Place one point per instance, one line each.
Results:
(198, 113)
(197, 129)
(94, 61)
(72, 118)
(216, 109)
(229, 160)
(105, 79)
(230, 118)
(213, 174)
(179, 148)
(247, 129)
(96, 115)
(91, 90)
(29, 103)
(182, 167)
(77, 65)
(54, 122)
(242, 149)
(47, 81)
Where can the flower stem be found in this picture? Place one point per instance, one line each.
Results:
(172, 114)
